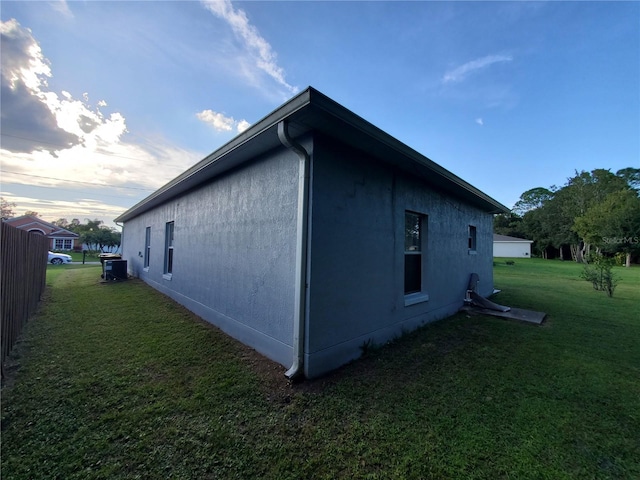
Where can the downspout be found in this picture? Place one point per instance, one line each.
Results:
(301, 250)
(121, 236)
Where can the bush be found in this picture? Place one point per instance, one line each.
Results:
(621, 259)
(598, 272)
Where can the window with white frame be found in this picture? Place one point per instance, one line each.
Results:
(147, 247)
(413, 240)
(472, 239)
(168, 249)
(63, 244)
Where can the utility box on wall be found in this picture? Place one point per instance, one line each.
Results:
(115, 270)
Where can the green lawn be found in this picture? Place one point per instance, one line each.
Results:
(118, 382)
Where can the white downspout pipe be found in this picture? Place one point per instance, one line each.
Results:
(301, 251)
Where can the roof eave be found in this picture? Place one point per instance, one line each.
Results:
(202, 171)
(308, 110)
(368, 130)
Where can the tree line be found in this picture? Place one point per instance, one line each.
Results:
(593, 212)
(94, 234)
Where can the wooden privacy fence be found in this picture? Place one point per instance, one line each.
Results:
(23, 269)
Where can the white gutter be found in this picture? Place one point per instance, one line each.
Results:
(301, 251)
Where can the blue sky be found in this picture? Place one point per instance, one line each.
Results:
(104, 102)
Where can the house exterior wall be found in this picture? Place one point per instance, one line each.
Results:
(233, 253)
(356, 268)
(512, 249)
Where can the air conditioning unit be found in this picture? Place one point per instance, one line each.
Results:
(115, 270)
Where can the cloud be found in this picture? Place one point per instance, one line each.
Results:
(51, 210)
(217, 120)
(60, 143)
(222, 123)
(458, 74)
(259, 50)
(62, 7)
(479, 121)
(25, 114)
(33, 118)
(242, 126)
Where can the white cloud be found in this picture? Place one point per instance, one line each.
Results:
(28, 122)
(22, 59)
(242, 126)
(222, 123)
(217, 120)
(260, 51)
(51, 210)
(458, 74)
(479, 121)
(62, 7)
(57, 142)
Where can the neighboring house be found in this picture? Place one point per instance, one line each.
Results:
(60, 238)
(313, 234)
(505, 246)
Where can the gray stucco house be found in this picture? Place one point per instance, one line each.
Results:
(312, 233)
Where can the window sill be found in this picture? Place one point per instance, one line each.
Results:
(473, 252)
(145, 269)
(167, 276)
(414, 298)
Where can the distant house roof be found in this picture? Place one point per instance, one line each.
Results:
(29, 223)
(506, 238)
(309, 111)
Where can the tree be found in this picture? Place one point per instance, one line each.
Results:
(31, 213)
(549, 215)
(580, 193)
(6, 208)
(631, 176)
(61, 222)
(536, 227)
(508, 224)
(97, 236)
(533, 199)
(613, 225)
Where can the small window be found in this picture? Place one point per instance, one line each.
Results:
(472, 238)
(147, 247)
(168, 252)
(412, 253)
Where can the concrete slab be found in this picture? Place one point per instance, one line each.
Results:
(520, 314)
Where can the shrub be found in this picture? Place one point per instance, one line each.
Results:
(621, 259)
(598, 271)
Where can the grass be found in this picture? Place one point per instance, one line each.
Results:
(116, 381)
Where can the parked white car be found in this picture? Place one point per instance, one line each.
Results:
(59, 258)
